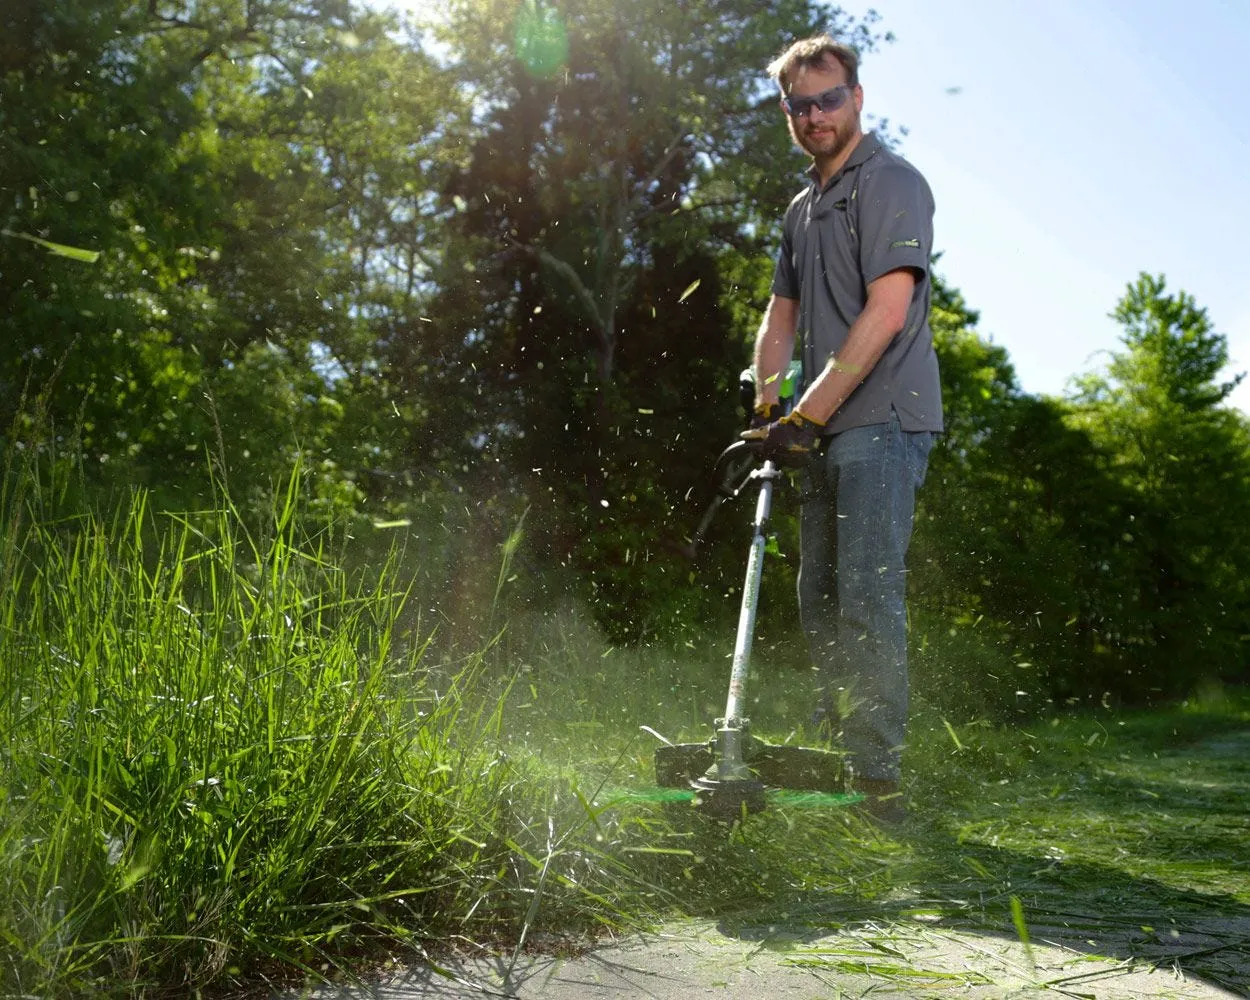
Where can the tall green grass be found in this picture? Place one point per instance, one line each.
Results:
(219, 759)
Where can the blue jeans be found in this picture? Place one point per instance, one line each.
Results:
(857, 505)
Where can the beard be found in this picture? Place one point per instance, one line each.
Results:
(828, 141)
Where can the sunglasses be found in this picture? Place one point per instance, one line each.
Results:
(829, 100)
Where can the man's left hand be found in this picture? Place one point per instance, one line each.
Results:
(790, 441)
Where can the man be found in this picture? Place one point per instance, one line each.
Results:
(852, 286)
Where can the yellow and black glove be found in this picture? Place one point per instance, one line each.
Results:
(790, 441)
(765, 414)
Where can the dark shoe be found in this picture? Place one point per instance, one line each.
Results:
(883, 800)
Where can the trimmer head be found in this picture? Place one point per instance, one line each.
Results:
(729, 800)
(767, 766)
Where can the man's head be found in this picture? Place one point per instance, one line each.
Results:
(821, 95)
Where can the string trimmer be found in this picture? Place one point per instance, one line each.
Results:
(731, 772)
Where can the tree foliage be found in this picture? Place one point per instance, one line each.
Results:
(1068, 535)
(223, 160)
(1183, 461)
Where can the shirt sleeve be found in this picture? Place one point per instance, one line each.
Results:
(896, 222)
(785, 280)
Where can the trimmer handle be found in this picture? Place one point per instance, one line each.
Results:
(746, 395)
(734, 465)
(737, 463)
(787, 390)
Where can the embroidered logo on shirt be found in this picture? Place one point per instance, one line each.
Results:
(905, 243)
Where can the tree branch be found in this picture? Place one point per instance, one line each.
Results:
(665, 159)
(580, 292)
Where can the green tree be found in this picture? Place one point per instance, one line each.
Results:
(255, 178)
(1156, 411)
(96, 148)
(1014, 560)
(329, 242)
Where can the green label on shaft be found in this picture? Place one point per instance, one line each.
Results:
(789, 387)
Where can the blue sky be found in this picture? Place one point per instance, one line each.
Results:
(1088, 141)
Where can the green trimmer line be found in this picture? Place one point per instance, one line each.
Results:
(729, 775)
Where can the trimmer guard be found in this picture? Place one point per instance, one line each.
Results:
(682, 765)
(677, 765)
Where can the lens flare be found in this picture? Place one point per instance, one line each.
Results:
(542, 43)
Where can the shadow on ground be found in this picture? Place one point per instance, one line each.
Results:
(962, 892)
(1133, 864)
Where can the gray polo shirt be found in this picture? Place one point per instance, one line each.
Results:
(874, 216)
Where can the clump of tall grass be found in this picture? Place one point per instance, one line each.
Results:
(219, 758)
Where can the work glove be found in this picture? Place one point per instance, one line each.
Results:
(765, 414)
(790, 441)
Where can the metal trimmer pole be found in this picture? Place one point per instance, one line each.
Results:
(731, 728)
(731, 772)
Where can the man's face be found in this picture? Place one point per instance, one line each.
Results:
(825, 134)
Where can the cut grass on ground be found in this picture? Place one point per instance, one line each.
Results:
(1122, 835)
